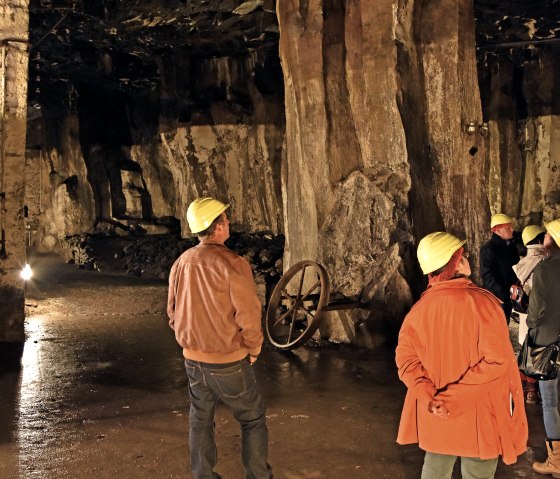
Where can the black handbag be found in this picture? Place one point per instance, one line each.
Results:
(538, 362)
(519, 298)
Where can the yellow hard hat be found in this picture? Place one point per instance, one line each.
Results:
(500, 219)
(203, 211)
(553, 229)
(435, 250)
(531, 232)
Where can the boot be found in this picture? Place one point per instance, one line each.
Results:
(552, 463)
(532, 395)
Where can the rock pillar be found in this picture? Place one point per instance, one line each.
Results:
(383, 138)
(13, 114)
(345, 175)
(442, 116)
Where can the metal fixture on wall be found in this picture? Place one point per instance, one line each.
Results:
(471, 127)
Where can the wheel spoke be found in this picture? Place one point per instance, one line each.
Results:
(281, 318)
(301, 281)
(310, 290)
(309, 313)
(292, 326)
(287, 295)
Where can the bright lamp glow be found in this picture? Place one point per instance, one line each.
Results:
(26, 272)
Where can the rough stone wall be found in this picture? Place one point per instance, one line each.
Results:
(457, 159)
(377, 98)
(113, 162)
(523, 109)
(33, 194)
(346, 176)
(541, 181)
(439, 97)
(14, 18)
(238, 163)
(67, 199)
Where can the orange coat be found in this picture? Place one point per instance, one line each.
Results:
(454, 345)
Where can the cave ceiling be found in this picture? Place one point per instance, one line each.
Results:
(516, 29)
(124, 44)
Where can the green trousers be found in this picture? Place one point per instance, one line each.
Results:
(440, 466)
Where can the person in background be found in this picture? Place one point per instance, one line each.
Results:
(497, 256)
(454, 355)
(216, 315)
(533, 238)
(543, 320)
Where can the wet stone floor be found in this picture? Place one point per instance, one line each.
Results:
(100, 392)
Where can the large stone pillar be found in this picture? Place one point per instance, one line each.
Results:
(452, 164)
(345, 174)
(14, 18)
(379, 96)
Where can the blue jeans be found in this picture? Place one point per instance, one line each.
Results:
(440, 466)
(549, 396)
(234, 384)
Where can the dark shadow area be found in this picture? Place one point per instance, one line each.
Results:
(10, 356)
(10, 370)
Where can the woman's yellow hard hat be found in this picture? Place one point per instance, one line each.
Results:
(531, 232)
(202, 212)
(435, 250)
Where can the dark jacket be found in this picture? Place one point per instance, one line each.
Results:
(496, 260)
(543, 317)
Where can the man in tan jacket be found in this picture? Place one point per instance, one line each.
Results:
(216, 315)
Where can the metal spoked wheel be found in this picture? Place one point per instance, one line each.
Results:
(296, 305)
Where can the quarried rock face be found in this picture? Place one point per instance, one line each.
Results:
(237, 163)
(346, 176)
(14, 16)
(378, 99)
(67, 204)
(133, 165)
(443, 119)
(523, 108)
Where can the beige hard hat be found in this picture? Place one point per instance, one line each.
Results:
(553, 229)
(531, 232)
(500, 219)
(203, 211)
(436, 249)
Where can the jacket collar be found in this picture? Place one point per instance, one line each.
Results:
(450, 284)
(535, 250)
(209, 241)
(498, 241)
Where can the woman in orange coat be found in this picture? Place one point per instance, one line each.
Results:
(464, 394)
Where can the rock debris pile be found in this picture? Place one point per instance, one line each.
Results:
(152, 256)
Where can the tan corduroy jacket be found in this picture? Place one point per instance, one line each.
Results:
(213, 305)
